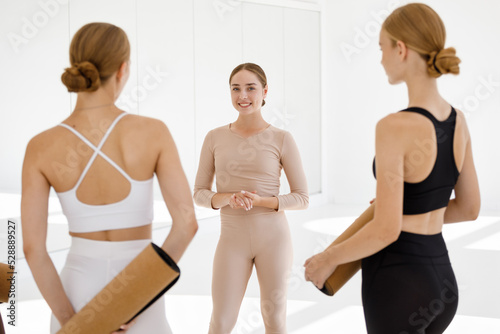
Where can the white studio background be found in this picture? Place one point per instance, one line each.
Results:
(358, 94)
(182, 55)
(322, 59)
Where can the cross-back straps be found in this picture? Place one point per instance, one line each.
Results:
(97, 150)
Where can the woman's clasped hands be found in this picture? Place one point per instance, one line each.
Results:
(244, 200)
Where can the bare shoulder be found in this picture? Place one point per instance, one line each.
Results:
(394, 124)
(460, 113)
(405, 123)
(461, 119)
(145, 123)
(44, 141)
(461, 125)
(151, 131)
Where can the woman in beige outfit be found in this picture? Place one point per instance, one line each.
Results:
(247, 157)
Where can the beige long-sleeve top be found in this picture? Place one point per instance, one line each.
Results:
(251, 164)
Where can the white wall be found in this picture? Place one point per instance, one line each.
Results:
(358, 93)
(182, 55)
(183, 51)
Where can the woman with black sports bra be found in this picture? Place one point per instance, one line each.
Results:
(422, 154)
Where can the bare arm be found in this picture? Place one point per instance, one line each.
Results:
(386, 225)
(465, 206)
(34, 213)
(177, 195)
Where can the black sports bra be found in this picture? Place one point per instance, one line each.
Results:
(435, 191)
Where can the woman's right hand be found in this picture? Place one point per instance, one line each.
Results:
(124, 328)
(240, 201)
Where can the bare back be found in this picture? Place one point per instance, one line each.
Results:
(131, 145)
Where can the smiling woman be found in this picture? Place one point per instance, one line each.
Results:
(247, 157)
(246, 69)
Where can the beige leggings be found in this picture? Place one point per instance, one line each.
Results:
(246, 239)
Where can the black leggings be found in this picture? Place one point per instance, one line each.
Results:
(409, 287)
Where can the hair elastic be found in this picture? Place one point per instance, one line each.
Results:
(434, 63)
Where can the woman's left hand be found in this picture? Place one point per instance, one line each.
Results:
(318, 268)
(253, 196)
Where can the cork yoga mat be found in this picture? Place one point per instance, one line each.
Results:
(133, 290)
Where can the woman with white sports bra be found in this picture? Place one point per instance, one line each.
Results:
(101, 162)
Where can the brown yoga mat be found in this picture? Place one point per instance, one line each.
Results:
(134, 289)
(345, 271)
(5, 275)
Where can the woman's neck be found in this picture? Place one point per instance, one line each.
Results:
(93, 107)
(423, 92)
(251, 122)
(100, 101)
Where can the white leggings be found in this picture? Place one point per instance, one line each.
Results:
(90, 265)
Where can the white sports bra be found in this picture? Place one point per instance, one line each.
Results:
(134, 210)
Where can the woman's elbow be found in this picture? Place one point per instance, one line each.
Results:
(192, 228)
(196, 196)
(28, 251)
(203, 198)
(468, 207)
(190, 224)
(390, 232)
(305, 201)
(473, 211)
(390, 236)
(32, 253)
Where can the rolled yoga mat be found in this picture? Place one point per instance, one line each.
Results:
(5, 275)
(346, 271)
(133, 290)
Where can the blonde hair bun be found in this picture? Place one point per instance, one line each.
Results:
(81, 77)
(443, 62)
(97, 51)
(422, 30)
